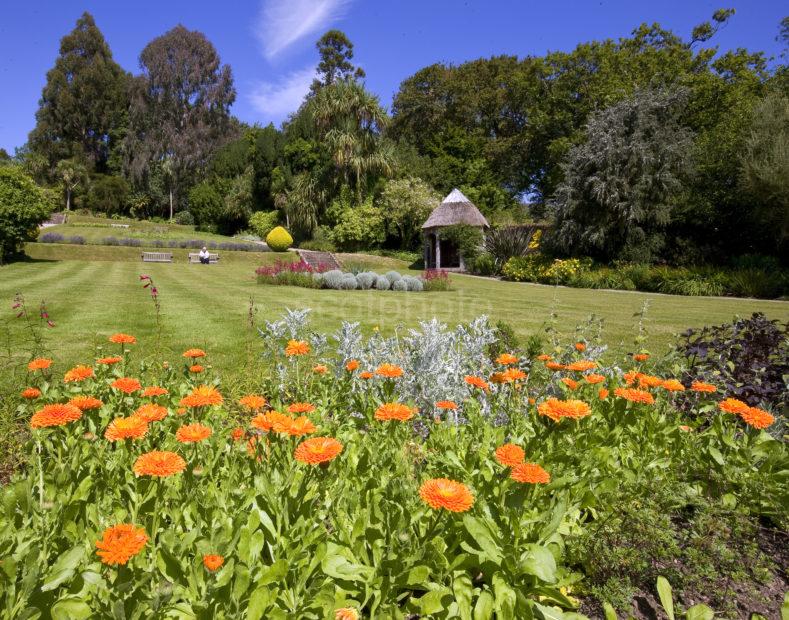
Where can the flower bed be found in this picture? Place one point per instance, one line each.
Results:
(301, 274)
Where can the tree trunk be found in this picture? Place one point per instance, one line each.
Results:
(68, 199)
(171, 205)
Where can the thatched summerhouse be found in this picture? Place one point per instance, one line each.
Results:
(455, 209)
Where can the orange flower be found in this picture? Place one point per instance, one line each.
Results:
(126, 385)
(513, 374)
(530, 473)
(497, 378)
(570, 383)
(85, 403)
(151, 412)
(447, 494)
(390, 371)
(593, 378)
(154, 390)
(126, 428)
(634, 395)
(120, 543)
(506, 359)
(352, 365)
(273, 420)
(180, 411)
(109, 361)
(732, 405)
(685, 427)
(297, 347)
(510, 455)
(213, 562)
(394, 411)
(554, 366)
(196, 368)
(193, 353)
(477, 382)
(672, 385)
(582, 365)
(317, 450)
(122, 339)
(544, 357)
(78, 373)
(252, 402)
(237, 434)
(580, 346)
(649, 381)
(346, 613)
(757, 418)
(446, 404)
(301, 426)
(641, 357)
(556, 409)
(366, 375)
(320, 369)
(632, 376)
(301, 408)
(55, 415)
(202, 396)
(602, 394)
(192, 433)
(31, 393)
(40, 363)
(159, 463)
(700, 386)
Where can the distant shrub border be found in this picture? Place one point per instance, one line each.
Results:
(301, 274)
(132, 242)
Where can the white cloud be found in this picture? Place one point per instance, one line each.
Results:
(283, 22)
(275, 100)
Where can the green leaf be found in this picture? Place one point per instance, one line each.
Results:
(169, 565)
(258, 603)
(417, 576)
(666, 597)
(483, 610)
(63, 568)
(273, 573)
(464, 592)
(548, 613)
(431, 603)
(785, 607)
(700, 612)
(504, 598)
(339, 567)
(716, 455)
(71, 608)
(483, 537)
(540, 563)
(610, 612)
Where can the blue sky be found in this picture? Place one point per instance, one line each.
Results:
(270, 43)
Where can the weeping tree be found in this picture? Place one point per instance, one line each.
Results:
(623, 184)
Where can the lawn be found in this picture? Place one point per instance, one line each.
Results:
(92, 291)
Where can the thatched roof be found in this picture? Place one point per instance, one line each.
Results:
(455, 209)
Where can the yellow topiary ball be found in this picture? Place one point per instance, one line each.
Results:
(279, 239)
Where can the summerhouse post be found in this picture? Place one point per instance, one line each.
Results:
(438, 251)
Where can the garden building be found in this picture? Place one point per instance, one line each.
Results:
(455, 209)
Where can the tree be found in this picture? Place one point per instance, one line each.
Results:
(108, 194)
(406, 204)
(180, 110)
(83, 101)
(71, 173)
(336, 53)
(621, 186)
(23, 206)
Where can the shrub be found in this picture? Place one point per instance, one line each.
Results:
(382, 283)
(468, 240)
(502, 244)
(366, 279)
(108, 194)
(399, 285)
(184, 218)
(483, 265)
(51, 237)
(359, 228)
(23, 206)
(279, 240)
(205, 203)
(436, 280)
(539, 268)
(413, 284)
(348, 282)
(392, 276)
(321, 241)
(77, 240)
(333, 278)
(263, 222)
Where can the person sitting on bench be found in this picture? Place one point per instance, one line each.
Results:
(205, 257)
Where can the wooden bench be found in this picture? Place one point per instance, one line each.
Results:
(194, 257)
(157, 257)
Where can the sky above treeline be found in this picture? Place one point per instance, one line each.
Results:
(270, 44)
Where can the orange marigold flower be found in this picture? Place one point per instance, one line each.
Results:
(581, 365)
(40, 363)
(447, 494)
(649, 381)
(237, 434)
(580, 346)
(78, 373)
(154, 390)
(733, 405)
(352, 365)
(180, 411)
(31, 393)
(109, 361)
(632, 376)
(497, 378)
(151, 412)
(273, 420)
(202, 396)
(55, 415)
(301, 408)
(510, 455)
(297, 347)
(757, 418)
(122, 339)
(346, 613)
(641, 357)
(570, 383)
(193, 353)
(120, 543)
(602, 393)
(159, 463)
(685, 427)
(320, 369)
(700, 386)
(477, 382)
(390, 371)
(317, 450)
(506, 359)
(252, 402)
(530, 473)
(213, 562)
(513, 374)
(192, 433)
(301, 426)
(634, 395)
(672, 385)
(446, 404)
(545, 357)
(554, 366)
(394, 411)
(594, 378)
(126, 428)
(126, 385)
(366, 375)
(556, 409)
(196, 368)
(85, 403)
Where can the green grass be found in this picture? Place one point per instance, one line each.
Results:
(93, 291)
